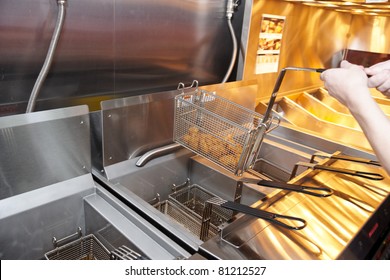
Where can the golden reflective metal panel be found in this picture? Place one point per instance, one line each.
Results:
(325, 112)
(319, 113)
(302, 118)
(331, 222)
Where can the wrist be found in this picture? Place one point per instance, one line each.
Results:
(360, 101)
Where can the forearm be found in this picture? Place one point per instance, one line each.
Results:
(349, 85)
(376, 126)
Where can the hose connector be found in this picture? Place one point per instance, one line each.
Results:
(229, 9)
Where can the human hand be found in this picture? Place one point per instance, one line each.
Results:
(380, 77)
(348, 84)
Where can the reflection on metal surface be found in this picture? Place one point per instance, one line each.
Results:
(358, 173)
(332, 222)
(156, 153)
(384, 104)
(316, 111)
(322, 95)
(299, 116)
(317, 155)
(324, 112)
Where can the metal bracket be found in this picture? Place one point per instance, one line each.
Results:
(77, 234)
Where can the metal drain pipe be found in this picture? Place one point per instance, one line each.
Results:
(49, 57)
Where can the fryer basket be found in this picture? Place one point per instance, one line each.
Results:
(186, 206)
(218, 129)
(191, 221)
(84, 248)
(193, 199)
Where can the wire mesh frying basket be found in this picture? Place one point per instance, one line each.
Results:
(190, 202)
(191, 221)
(218, 129)
(84, 248)
(193, 199)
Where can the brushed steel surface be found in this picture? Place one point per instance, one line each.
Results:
(128, 127)
(245, 238)
(134, 125)
(29, 221)
(43, 148)
(315, 111)
(83, 62)
(311, 142)
(139, 186)
(46, 189)
(109, 49)
(116, 225)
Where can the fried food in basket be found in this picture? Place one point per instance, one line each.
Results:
(229, 160)
(225, 151)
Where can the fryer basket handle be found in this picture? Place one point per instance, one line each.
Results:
(309, 190)
(274, 218)
(362, 174)
(346, 158)
(182, 86)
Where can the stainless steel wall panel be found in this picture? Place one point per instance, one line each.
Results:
(43, 148)
(133, 125)
(110, 48)
(83, 60)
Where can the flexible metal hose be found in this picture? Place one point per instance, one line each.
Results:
(49, 57)
(234, 54)
(229, 14)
